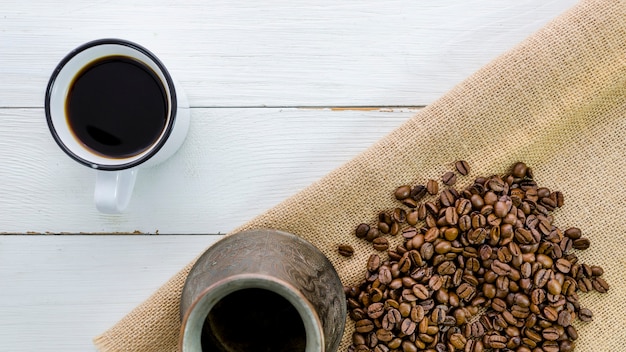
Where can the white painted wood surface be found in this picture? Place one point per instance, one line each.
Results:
(58, 292)
(264, 79)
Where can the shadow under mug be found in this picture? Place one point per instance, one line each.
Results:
(115, 174)
(262, 290)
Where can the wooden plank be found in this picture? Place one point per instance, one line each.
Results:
(283, 53)
(234, 165)
(58, 292)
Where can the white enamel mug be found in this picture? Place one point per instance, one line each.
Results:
(115, 175)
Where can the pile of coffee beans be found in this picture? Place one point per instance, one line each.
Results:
(479, 269)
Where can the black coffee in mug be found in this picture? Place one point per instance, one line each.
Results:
(117, 106)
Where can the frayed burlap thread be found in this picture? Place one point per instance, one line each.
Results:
(556, 101)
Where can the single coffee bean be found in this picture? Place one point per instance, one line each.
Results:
(408, 346)
(384, 335)
(571, 332)
(361, 230)
(550, 313)
(398, 215)
(383, 227)
(465, 291)
(402, 192)
(542, 276)
(418, 192)
(519, 170)
(375, 310)
(565, 318)
(554, 287)
(462, 167)
(384, 275)
(581, 243)
(420, 291)
(600, 285)
(500, 209)
(435, 282)
(563, 265)
(380, 244)
(500, 268)
(373, 263)
(407, 326)
(585, 315)
(596, 270)
(496, 341)
(550, 346)
(449, 178)
(345, 250)
(451, 216)
(573, 232)
(412, 217)
(566, 346)
(364, 326)
(432, 187)
(550, 334)
(409, 202)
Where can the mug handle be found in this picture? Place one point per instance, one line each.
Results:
(113, 190)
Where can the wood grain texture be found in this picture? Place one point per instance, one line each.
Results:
(234, 164)
(58, 292)
(246, 66)
(278, 52)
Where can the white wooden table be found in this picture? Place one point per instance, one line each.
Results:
(282, 92)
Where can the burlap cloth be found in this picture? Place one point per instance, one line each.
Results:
(556, 101)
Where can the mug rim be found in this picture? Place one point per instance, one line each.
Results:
(154, 147)
(222, 288)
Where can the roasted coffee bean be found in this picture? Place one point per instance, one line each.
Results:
(375, 310)
(402, 192)
(447, 198)
(565, 318)
(432, 187)
(563, 265)
(384, 335)
(596, 270)
(410, 202)
(345, 250)
(542, 276)
(373, 263)
(600, 285)
(566, 346)
(381, 348)
(398, 215)
(519, 170)
(449, 178)
(462, 167)
(573, 233)
(383, 227)
(412, 217)
(364, 326)
(544, 260)
(585, 315)
(361, 230)
(550, 313)
(372, 233)
(408, 346)
(500, 268)
(581, 243)
(384, 275)
(571, 332)
(420, 291)
(407, 326)
(418, 192)
(380, 244)
(554, 287)
(474, 346)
